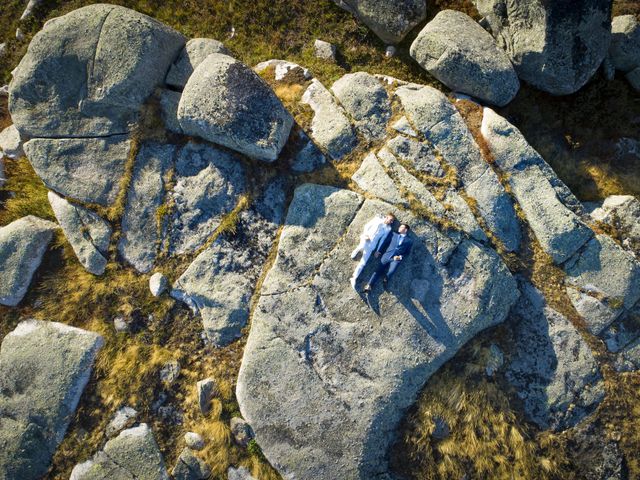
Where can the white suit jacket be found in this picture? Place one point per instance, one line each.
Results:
(377, 231)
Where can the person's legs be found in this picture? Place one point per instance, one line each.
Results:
(361, 264)
(381, 270)
(392, 268)
(358, 248)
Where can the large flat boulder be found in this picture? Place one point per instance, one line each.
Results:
(208, 185)
(391, 21)
(551, 367)
(88, 72)
(85, 169)
(461, 54)
(44, 367)
(365, 99)
(132, 455)
(141, 223)
(22, 246)
(327, 374)
(87, 233)
(226, 102)
(554, 46)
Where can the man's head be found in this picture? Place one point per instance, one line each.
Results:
(403, 229)
(389, 218)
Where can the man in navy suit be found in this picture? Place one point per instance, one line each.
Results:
(398, 249)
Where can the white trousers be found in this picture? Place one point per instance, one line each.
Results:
(367, 249)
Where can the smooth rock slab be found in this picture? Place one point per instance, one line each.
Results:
(603, 281)
(44, 367)
(84, 169)
(227, 103)
(192, 55)
(208, 185)
(554, 46)
(330, 127)
(461, 54)
(365, 99)
(141, 230)
(87, 233)
(22, 246)
(88, 72)
(327, 376)
(420, 156)
(132, 455)
(551, 367)
(391, 21)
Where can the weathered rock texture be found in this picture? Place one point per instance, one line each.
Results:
(85, 169)
(554, 46)
(551, 368)
(44, 367)
(141, 229)
(365, 99)
(391, 21)
(458, 52)
(87, 233)
(624, 52)
(219, 283)
(226, 102)
(132, 455)
(192, 55)
(88, 72)
(11, 143)
(330, 127)
(22, 246)
(437, 119)
(317, 352)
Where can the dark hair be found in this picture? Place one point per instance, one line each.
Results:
(406, 225)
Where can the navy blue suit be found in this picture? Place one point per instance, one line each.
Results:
(387, 264)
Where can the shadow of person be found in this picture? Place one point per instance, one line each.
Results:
(417, 285)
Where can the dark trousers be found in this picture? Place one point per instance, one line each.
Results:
(386, 269)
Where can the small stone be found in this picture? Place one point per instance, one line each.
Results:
(158, 284)
(3, 49)
(28, 11)
(11, 143)
(325, 50)
(20, 35)
(194, 440)
(240, 473)
(391, 51)
(120, 324)
(206, 390)
(241, 431)
(441, 429)
(4, 90)
(125, 417)
(170, 371)
(495, 360)
(190, 467)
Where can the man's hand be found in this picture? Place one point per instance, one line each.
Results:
(377, 254)
(397, 258)
(367, 238)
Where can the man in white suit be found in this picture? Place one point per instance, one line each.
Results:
(373, 235)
